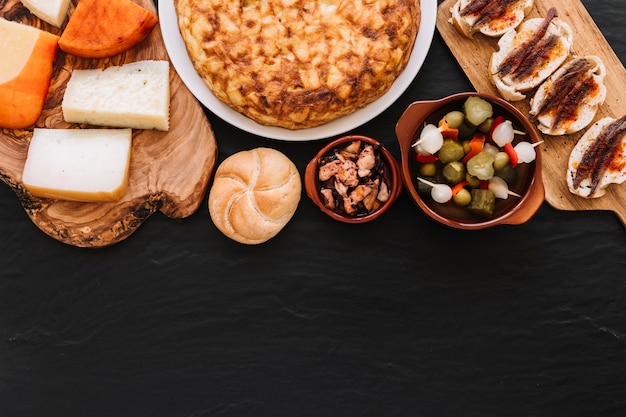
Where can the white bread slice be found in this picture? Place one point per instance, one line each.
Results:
(615, 174)
(51, 11)
(586, 105)
(514, 90)
(467, 24)
(135, 95)
(78, 164)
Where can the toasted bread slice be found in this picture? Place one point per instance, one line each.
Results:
(614, 169)
(491, 18)
(528, 55)
(568, 100)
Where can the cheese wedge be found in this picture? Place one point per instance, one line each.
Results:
(28, 55)
(135, 95)
(104, 28)
(78, 164)
(51, 11)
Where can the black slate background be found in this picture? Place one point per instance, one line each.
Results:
(399, 317)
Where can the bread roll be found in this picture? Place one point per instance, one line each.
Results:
(254, 195)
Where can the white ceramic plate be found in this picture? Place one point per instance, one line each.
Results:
(178, 55)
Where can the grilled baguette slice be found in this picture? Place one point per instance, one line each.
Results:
(568, 101)
(528, 55)
(491, 18)
(607, 167)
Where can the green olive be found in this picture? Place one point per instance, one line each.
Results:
(500, 160)
(455, 118)
(428, 169)
(485, 126)
(472, 181)
(462, 197)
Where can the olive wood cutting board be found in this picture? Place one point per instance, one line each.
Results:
(169, 171)
(473, 56)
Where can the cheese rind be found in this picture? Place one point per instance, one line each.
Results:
(78, 164)
(51, 11)
(135, 95)
(28, 55)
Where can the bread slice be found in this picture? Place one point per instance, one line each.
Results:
(78, 164)
(468, 19)
(51, 11)
(615, 172)
(135, 95)
(568, 100)
(511, 85)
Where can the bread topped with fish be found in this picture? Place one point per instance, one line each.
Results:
(490, 17)
(528, 55)
(567, 102)
(598, 159)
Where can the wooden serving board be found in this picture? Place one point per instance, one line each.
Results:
(473, 56)
(169, 171)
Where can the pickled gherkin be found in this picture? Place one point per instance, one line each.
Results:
(477, 110)
(451, 150)
(482, 203)
(481, 165)
(454, 172)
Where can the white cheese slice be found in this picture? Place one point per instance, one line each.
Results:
(135, 95)
(78, 164)
(17, 42)
(51, 11)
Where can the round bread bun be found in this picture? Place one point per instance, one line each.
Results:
(254, 195)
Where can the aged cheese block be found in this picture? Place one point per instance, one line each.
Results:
(135, 95)
(51, 11)
(28, 55)
(78, 164)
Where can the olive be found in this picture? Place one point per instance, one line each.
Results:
(462, 197)
(485, 127)
(500, 160)
(507, 173)
(428, 169)
(472, 181)
(466, 131)
(455, 118)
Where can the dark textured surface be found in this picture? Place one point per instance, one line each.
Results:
(399, 317)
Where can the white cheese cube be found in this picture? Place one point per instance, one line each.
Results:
(78, 164)
(135, 95)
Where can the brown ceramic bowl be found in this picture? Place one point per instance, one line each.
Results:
(513, 210)
(393, 174)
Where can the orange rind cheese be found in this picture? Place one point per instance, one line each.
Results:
(28, 56)
(105, 28)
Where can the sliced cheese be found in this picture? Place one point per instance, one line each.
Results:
(135, 95)
(51, 11)
(28, 55)
(78, 164)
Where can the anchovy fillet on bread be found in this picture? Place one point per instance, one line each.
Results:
(528, 55)
(598, 159)
(489, 17)
(568, 101)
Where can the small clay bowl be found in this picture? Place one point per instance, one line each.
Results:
(393, 174)
(529, 184)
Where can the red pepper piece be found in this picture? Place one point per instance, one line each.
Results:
(508, 148)
(484, 184)
(498, 120)
(425, 159)
(446, 131)
(458, 187)
(476, 145)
